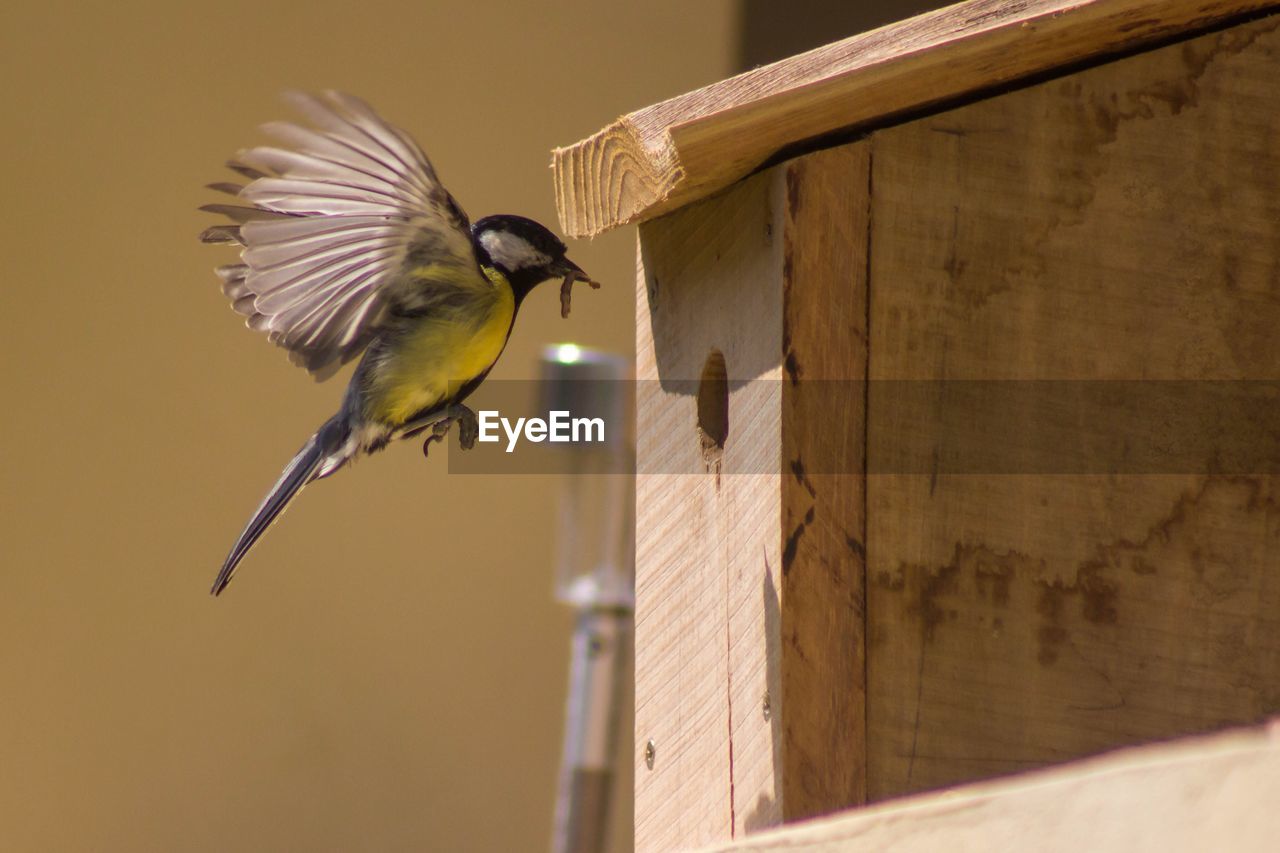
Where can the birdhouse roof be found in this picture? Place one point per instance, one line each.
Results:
(668, 155)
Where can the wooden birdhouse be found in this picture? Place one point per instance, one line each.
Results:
(958, 421)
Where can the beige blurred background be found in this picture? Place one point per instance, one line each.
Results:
(388, 670)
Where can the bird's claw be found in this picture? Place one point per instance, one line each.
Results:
(439, 430)
(468, 428)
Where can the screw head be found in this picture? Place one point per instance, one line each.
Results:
(650, 752)
(765, 708)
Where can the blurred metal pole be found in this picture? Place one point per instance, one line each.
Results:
(601, 644)
(595, 575)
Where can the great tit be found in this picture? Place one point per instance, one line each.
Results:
(349, 244)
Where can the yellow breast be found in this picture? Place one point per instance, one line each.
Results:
(440, 354)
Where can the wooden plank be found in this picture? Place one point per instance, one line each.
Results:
(1122, 223)
(706, 523)
(668, 155)
(749, 617)
(1213, 793)
(824, 498)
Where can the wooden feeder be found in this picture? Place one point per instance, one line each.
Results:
(832, 609)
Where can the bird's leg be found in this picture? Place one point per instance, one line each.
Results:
(468, 425)
(468, 428)
(438, 431)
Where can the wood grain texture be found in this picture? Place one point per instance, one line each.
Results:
(1122, 223)
(824, 495)
(749, 578)
(668, 155)
(1212, 793)
(707, 533)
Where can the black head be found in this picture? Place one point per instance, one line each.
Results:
(524, 251)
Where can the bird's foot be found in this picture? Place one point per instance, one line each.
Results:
(468, 428)
(468, 425)
(437, 432)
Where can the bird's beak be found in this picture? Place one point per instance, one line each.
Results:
(565, 268)
(571, 272)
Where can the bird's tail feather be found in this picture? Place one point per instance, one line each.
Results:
(320, 449)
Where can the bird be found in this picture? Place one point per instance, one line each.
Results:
(351, 246)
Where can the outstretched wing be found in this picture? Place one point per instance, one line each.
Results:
(327, 225)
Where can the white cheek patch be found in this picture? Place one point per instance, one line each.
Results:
(512, 252)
